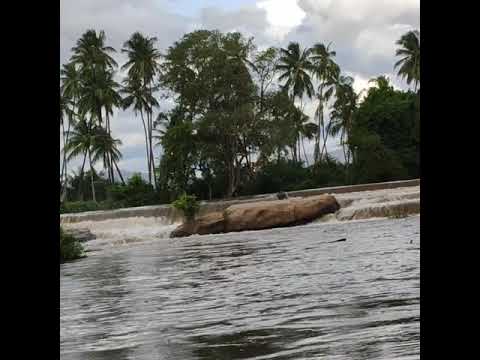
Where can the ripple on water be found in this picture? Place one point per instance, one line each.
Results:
(275, 294)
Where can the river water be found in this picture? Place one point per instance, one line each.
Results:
(285, 293)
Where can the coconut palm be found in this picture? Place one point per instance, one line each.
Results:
(326, 71)
(307, 130)
(143, 66)
(81, 143)
(65, 116)
(69, 92)
(138, 99)
(91, 52)
(295, 65)
(382, 82)
(341, 116)
(409, 51)
(108, 90)
(99, 91)
(105, 148)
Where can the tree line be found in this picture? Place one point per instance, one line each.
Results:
(238, 123)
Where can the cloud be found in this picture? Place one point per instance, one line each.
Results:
(282, 16)
(363, 34)
(250, 21)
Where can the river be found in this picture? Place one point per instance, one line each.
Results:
(286, 293)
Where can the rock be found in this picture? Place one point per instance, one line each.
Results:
(81, 235)
(212, 223)
(260, 215)
(313, 207)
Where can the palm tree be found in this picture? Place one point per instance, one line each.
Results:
(81, 143)
(106, 148)
(99, 90)
(409, 64)
(110, 98)
(143, 67)
(65, 115)
(138, 99)
(341, 117)
(69, 92)
(306, 129)
(91, 52)
(327, 72)
(294, 64)
(381, 81)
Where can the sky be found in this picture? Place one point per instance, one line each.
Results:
(362, 32)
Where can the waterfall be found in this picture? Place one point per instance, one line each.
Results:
(151, 223)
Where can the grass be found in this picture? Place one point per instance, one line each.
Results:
(70, 248)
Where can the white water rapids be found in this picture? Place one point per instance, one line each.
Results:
(354, 206)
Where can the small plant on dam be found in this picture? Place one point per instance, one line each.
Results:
(188, 205)
(70, 248)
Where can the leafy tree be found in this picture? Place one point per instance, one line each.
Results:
(385, 138)
(208, 74)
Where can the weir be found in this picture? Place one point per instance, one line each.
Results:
(172, 215)
(150, 223)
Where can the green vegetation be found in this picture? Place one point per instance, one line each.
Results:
(237, 125)
(188, 205)
(70, 249)
(136, 192)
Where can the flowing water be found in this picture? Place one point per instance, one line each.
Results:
(288, 293)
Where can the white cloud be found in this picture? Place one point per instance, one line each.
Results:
(363, 34)
(282, 16)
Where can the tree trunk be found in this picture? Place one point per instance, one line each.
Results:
(305, 153)
(108, 160)
(152, 159)
(80, 182)
(318, 155)
(324, 147)
(147, 148)
(119, 173)
(91, 177)
(65, 162)
(64, 153)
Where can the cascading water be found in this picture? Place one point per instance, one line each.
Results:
(121, 231)
(115, 232)
(380, 203)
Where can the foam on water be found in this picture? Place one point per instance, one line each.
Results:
(378, 204)
(115, 232)
(355, 206)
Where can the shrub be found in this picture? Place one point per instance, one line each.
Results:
(70, 248)
(137, 192)
(188, 205)
(78, 206)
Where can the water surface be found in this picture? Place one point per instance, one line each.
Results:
(274, 294)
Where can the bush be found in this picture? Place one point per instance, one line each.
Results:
(70, 248)
(283, 175)
(79, 206)
(188, 205)
(137, 192)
